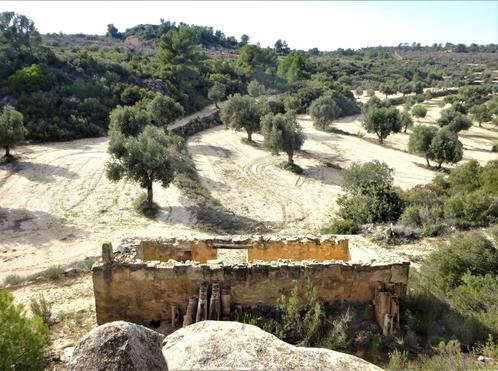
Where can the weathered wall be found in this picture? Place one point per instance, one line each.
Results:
(144, 291)
(197, 124)
(258, 249)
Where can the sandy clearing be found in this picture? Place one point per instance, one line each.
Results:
(245, 177)
(477, 141)
(57, 206)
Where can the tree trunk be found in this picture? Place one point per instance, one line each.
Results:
(439, 165)
(7, 150)
(249, 136)
(216, 105)
(149, 194)
(427, 160)
(290, 160)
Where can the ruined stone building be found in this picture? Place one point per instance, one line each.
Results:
(170, 280)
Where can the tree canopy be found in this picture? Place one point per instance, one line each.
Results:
(323, 110)
(421, 139)
(164, 110)
(282, 132)
(241, 112)
(445, 147)
(381, 121)
(144, 158)
(11, 128)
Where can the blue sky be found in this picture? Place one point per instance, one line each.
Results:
(326, 24)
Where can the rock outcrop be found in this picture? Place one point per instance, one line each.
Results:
(119, 346)
(211, 345)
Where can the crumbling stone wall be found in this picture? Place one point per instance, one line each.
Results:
(129, 288)
(197, 125)
(258, 248)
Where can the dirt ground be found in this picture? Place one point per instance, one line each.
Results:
(57, 206)
(245, 177)
(477, 141)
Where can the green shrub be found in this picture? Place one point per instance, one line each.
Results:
(22, 339)
(472, 209)
(344, 226)
(42, 308)
(471, 252)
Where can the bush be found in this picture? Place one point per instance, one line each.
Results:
(42, 308)
(472, 252)
(344, 226)
(472, 209)
(419, 111)
(23, 340)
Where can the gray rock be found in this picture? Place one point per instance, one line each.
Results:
(215, 345)
(119, 346)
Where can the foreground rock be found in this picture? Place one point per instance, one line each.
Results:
(211, 345)
(119, 346)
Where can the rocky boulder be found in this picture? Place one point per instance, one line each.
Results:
(119, 346)
(211, 345)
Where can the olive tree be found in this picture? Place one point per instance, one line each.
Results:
(406, 120)
(420, 141)
(382, 121)
(146, 158)
(445, 147)
(282, 132)
(388, 88)
(216, 93)
(454, 120)
(481, 113)
(164, 110)
(241, 112)
(11, 128)
(419, 111)
(128, 120)
(323, 110)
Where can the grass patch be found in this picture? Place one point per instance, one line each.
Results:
(52, 273)
(296, 169)
(144, 208)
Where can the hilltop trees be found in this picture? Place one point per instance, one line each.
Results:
(381, 120)
(323, 110)
(294, 67)
(241, 112)
(11, 128)
(181, 65)
(281, 132)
